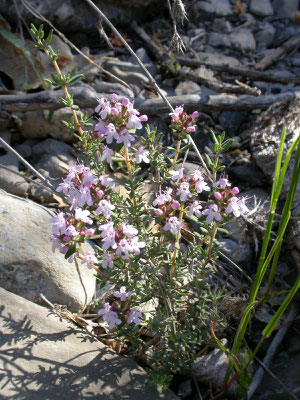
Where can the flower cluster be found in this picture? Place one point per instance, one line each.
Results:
(115, 313)
(182, 123)
(117, 121)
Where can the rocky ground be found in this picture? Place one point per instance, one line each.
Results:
(240, 70)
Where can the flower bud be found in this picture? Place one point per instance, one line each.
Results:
(90, 231)
(143, 118)
(125, 102)
(100, 193)
(175, 204)
(159, 212)
(191, 129)
(195, 114)
(114, 98)
(218, 196)
(234, 191)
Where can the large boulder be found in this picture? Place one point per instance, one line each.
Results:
(44, 357)
(27, 265)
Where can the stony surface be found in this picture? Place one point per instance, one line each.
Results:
(28, 266)
(261, 8)
(240, 253)
(45, 357)
(10, 181)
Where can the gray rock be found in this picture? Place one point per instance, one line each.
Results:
(36, 125)
(211, 368)
(221, 25)
(5, 134)
(248, 175)
(187, 87)
(23, 149)
(240, 253)
(108, 87)
(221, 8)
(243, 40)
(51, 166)
(28, 266)
(217, 39)
(45, 357)
(265, 36)
(9, 181)
(218, 59)
(287, 368)
(53, 147)
(285, 8)
(261, 8)
(146, 60)
(232, 119)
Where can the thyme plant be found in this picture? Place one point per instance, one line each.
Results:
(146, 245)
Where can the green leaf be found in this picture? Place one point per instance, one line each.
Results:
(70, 251)
(226, 145)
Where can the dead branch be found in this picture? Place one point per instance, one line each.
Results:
(86, 98)
(270, 76)
(286, 48)
(218, 85)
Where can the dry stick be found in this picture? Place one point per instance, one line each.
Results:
(270, 76)
(219, 86)
(152, 80)
(42, 18)
(87, 98)
(271, 352)
(288, 46)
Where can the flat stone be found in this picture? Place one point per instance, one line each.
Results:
(285, 8)
(187, 87)
(10, 181)
(240, 253)
(218, 59)
(243, 39)
(261, 8)
(28, 266)
(264, 37)
(44, 357)
(221, 8)
(217, 39)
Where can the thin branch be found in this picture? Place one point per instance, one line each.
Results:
(67, 41)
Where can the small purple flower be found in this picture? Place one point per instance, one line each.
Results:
(237, 206)
(201, 185)
(89, 258)
(136, 245)
(83, 215)
(177, 175)
(108, 260)
(124, 247)
(222, 183)
(122, 294)
(107, 155)
(195, 209)
(184, 191)
(212, 213)
(105, 208)
(142, 155)
(109, 316)
(173, 225)
(129, 230)
(134, 317)
(59, 223)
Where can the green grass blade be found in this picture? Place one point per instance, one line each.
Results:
(278, 164)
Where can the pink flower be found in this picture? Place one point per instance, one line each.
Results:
(184, 191)
(107, 260)
(159, 212)
(125, 138)
(107, 155)
(136, 245)
(114, 98)
(109, 236)
(104, 208)
(198, 175)
(195, 114)
(212, 213)
(106, 181)
(122, 294)
(195, 209)
(89, 258)
(83, 215)
(175, 115)
(175, 204)
(109, 316)
(201, 185)
(129, 230)
(142, 155)
(191, 128)
(177, 175)
(59, 223)
(143, 118)
(124, 247)
(237, 206)
(134, 317)
(221, 183)
(173, 225)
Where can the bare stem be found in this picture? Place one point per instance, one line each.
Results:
(212, 238)
(127, 160)
(176, 155)
(176, 243)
